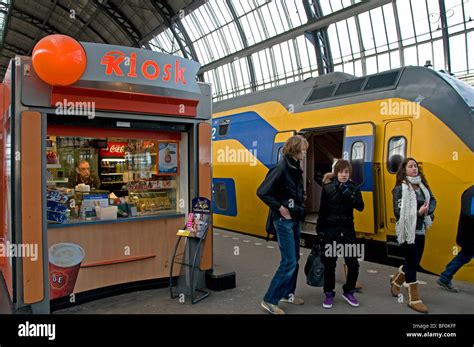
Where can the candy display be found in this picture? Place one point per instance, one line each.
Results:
(58, 195)
(152, 184)
(150, 202)
(58, 205)
(57, 217)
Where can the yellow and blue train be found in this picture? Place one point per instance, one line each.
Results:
(374, 122)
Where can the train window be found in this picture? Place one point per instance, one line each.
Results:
(357, 161)
(221, 196)
(382, 80)
(321, 93)
(397, 148)
(348, 87)
(224, 127)
(358, 149)
(280, 154)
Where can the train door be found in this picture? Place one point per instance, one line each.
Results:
(358, 148)
(325, 145)
(396, 144)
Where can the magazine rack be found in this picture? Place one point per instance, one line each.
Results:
(191, 279)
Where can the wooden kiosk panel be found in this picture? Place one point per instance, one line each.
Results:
(121, 252)
(31, 206)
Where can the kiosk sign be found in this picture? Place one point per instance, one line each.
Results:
(139, 66)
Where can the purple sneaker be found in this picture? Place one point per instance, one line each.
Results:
(329, 299)
(351, 299)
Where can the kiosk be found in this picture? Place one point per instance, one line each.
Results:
(103, 149)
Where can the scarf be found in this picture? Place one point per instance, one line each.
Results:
(406, 224)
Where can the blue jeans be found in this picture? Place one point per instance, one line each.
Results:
(284, 282)
(454, 265)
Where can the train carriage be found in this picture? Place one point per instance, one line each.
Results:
(374, 122)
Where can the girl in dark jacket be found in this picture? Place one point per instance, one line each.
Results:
(335, 228)
(413, 205)
(282, 190)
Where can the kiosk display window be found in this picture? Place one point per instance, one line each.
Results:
(109, 178)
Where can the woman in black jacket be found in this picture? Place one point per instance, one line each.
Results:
(413, 205)
(335, 228)
(282, 190)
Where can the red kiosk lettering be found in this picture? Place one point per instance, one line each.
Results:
(114, 65)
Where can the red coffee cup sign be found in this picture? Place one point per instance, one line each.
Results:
(64, 263)
(114, 149)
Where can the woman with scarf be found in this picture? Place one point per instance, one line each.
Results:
(414, 205)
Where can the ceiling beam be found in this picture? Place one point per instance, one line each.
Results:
(325, 21)
(114, 12)
(172, 21)
(319, 38)
(86, 25)
(24, 17)
(243, 37)
(45, 21)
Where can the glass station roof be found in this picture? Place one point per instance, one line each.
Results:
(435, 33)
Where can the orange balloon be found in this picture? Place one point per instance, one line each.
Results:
(59, 60)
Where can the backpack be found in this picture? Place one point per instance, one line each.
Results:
(314, 268)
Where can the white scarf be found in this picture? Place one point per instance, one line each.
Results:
(406, 224)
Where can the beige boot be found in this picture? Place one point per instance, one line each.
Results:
(414, 300)
(397, 281)
(358, 286)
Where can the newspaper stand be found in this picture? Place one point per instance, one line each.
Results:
(191, 279)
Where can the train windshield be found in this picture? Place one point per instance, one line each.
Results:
(464, 89)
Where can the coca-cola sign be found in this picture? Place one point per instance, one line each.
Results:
(114, 149)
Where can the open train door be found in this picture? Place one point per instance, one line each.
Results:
(358, 148)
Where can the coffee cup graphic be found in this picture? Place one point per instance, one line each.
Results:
(64, 263)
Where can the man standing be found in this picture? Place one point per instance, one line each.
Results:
(282, 190)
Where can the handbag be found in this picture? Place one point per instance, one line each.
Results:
(314, 268)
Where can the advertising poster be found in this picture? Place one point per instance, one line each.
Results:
(168, 158)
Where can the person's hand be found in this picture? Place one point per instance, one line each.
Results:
(346, 190)
(423, 209)
(284, 212)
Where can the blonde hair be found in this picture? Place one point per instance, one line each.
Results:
(294, 145)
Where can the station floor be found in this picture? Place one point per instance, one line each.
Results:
(255, 263)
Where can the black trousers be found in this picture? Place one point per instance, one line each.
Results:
(337, 237)
(413, 253)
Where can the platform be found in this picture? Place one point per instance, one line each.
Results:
(255, 265)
